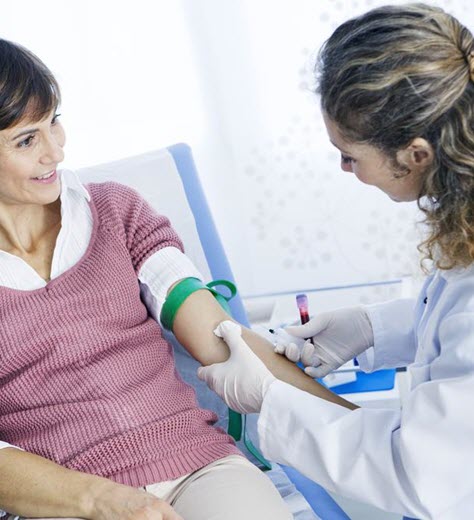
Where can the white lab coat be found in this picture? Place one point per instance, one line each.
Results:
(418, 461)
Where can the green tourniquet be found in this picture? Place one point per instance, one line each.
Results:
(185, 288)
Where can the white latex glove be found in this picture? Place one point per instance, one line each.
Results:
(243, 380)
(338, 337)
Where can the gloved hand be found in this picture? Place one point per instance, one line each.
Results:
(243, 380)
(338, 337)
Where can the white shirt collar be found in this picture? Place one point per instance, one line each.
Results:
(70, 181)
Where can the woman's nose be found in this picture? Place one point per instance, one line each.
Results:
(346, 167)
(53, 150)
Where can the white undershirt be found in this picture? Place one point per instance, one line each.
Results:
(157, 274)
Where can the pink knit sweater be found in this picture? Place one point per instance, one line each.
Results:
(86, 378)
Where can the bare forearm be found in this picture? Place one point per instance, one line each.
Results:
(33, 486)
(194, 325)
(288, 372)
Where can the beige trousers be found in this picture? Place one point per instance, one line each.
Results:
(231, 488)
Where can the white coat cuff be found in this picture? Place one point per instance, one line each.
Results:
(159, 272)
(394, 344)
(368, 359)
(280, 402)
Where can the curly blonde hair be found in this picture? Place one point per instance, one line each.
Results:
(400, 72)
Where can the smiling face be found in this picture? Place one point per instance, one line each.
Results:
(29, 150)
(375, 168)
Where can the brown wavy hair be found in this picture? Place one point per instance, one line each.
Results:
(27, 86)
(400, 72)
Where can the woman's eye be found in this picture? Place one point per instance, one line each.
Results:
(55, 119)
(346, 159)
(26, 142)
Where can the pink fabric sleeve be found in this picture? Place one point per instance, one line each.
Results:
(146, 231)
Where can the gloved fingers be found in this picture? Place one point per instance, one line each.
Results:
(211, 374)
(309, 355)
(205, 374)
(315, 354)
(314, 326)
(318, 372)
(231, 332)
(280, 336)
(240, 352)
(228, 330)
(286, 345)
(279, 348)
(292, 352)
(329, 356)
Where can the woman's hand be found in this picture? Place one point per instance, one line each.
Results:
(114, 501)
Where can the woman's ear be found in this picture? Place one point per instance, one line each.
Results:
(417, 156)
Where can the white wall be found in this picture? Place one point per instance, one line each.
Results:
(230, 78)
(126, 69)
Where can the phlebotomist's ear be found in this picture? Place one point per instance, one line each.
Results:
(417, 157)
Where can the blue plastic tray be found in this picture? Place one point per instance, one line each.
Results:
(380, 380)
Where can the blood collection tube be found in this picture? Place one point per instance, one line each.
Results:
(302, 304)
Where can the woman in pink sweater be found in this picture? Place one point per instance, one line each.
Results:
(95, 421)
